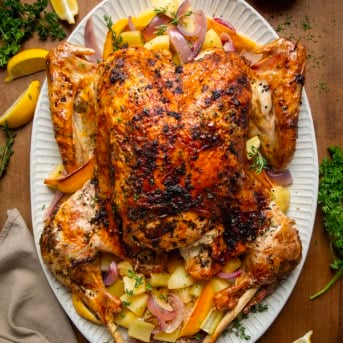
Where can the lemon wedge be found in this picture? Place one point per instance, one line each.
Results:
(22, 110)
(26, 62)
(304, 339)
(66, 9)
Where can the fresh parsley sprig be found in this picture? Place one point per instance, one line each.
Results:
(19, 21)
(6, 150)
(330, 197)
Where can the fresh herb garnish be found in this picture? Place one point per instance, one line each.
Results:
(6, 150)
(330, 197)
(138, 279)
(236, 326)
(116, 39)
(259, 163)
(19, 21)
(174, 19)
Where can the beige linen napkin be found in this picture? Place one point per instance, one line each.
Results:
(29, 311)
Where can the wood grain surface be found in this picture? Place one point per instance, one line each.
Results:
(318, 25)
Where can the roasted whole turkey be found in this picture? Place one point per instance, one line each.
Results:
(171, 172)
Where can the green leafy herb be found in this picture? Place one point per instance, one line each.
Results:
(6, 150)
(259, 308)
(19, 21)
(174, 19)
(259, 163)
(237, 328)
(330, 197)
(306, 24)
(116, 39)
(138, 279)
(126, 303)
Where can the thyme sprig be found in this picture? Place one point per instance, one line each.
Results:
(259, 163)
(175, 19)
(6, 150)
(116, 39)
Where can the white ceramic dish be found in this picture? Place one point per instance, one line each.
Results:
(304, 167)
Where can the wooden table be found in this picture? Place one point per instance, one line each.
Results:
(318, 24)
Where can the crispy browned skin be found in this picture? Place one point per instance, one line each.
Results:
(170, 144)
(270, 258)
(70, 244)
(282, 69)
(71, 95)
(171, 174)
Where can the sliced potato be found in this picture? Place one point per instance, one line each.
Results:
(124, 318)
(282, 197)
(184, 294)
(195, 290)
(170, 5)
(232, 265)
(141, 330)
(117, 288)
(132, 38)
(212, 40)
(180, 279)
(219, 284)
(134, 284)
(159, 279)
(124, 267)
(143, 18)
(158, 43)
(136, 304)
(252, 146)
(167, 337)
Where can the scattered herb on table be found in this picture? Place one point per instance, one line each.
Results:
(6, 150)
(330, 197)
(19, 21)
(236, 326)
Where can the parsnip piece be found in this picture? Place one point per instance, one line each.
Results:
(180, 279)
(141, 330)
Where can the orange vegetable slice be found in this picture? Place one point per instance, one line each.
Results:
(73, 181)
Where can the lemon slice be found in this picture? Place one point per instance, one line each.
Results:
(22, 110)
(66, 9)
(304, 339)
(26, 62)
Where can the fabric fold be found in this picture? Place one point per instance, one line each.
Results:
(29, 311)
